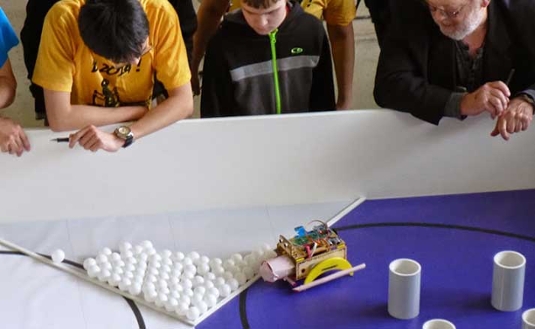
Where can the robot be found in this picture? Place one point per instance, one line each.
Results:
(307, 256)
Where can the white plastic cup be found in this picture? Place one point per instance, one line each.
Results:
(438, 324)
(528, 319)
(508, 281)
(404, 288)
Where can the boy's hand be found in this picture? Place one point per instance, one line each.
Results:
(12, 137)
(93, 139)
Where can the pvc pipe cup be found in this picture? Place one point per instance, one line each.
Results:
(438, 324)
(508, 281)
(404, 288)
(528, 319)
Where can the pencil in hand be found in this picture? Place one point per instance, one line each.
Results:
(60, 140)
(510, 77)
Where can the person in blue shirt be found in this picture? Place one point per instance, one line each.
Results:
(12, 137)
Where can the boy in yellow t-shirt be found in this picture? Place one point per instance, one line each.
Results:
(97, 62)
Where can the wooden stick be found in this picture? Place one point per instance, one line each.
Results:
(330, 278)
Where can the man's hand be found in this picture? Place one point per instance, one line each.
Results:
(12, 137)
(492, 97)
(93, 139)
(517, 117)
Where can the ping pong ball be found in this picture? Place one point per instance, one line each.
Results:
(200, 290)
(237, 257)
(58, 256)
(193, 313)
(210, 300)
(224, 290)
(241, 278)
(233, 284)
(179, 256)
(182, 309)
(194, 255)
(203, 307)
(89, 262)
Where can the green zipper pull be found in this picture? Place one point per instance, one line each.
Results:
(272, 41)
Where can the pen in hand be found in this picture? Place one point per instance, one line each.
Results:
(60, 140)
(510, 77)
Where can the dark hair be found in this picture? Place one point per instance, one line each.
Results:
(114, 29)
(260, 3)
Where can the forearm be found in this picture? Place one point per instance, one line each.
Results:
(208, 19)
(79, 116)
(343, 50)
(178, 106)
(63, 116)
(8, 88)
(8, 85)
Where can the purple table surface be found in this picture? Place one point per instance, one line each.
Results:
(453, 237)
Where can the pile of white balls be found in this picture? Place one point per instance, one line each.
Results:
(187, 284)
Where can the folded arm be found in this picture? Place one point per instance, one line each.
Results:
(62, 115)
(178, 105)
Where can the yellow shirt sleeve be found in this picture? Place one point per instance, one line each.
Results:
(170, 57)
(339, 12)
(54, 68)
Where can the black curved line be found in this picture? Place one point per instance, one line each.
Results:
(243, 310)
(131, 303)
(445, 226)
(137, 313)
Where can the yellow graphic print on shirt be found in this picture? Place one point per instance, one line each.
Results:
(108, 95)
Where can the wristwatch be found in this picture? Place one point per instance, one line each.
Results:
(125, 133)
(527, 98)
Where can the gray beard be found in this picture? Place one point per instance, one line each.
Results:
(468, 27)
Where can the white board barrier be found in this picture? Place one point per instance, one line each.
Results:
(267, 160)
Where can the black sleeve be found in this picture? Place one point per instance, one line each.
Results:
(401, 80)
(322, 90)
(217, 96)
(518, 18)
(30, 37)
(188, 22)
(380, 15)
(30, 34)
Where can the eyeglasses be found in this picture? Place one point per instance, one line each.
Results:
(445, 13)
(145, 51)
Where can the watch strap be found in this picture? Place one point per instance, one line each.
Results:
(128, 141)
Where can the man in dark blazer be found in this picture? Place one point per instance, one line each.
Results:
(459, 58)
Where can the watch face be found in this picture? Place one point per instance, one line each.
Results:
(123, 130)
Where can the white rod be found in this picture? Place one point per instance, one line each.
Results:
(345, 211)
(330, 278)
